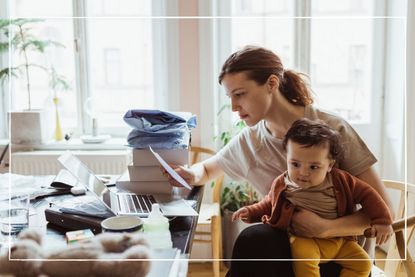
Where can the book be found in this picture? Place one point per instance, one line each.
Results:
(64, 180)
(170, 170)
(146, 173)
(61, 184)
(144, 157)
(143, 187)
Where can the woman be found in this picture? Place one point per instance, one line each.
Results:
(269, 99)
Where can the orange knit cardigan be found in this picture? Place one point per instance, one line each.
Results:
(277, 211)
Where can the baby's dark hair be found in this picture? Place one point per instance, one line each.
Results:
(309, 133)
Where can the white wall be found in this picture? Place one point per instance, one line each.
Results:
(189, 63)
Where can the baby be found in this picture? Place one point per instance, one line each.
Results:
(312, 183)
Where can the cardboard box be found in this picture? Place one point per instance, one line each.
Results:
(143, 157)
(146, 173)
(143, 187)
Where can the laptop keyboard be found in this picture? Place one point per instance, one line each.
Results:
(135, 204)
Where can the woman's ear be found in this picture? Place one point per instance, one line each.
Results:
(332, 162)
(272, 82)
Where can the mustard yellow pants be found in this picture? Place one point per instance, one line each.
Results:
(349, 254)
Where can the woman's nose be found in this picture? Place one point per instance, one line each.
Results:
(234, 106)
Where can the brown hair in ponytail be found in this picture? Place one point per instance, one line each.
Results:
(259, 63)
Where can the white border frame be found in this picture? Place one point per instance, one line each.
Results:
(5, 88)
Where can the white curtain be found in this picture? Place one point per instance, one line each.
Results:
(410, 91)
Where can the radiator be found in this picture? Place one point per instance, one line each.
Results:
(45, 162)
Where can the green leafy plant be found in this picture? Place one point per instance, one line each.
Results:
(58, 82)
(18, 37)
(235, 129)
(235, 194)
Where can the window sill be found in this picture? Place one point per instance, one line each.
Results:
(76, 144)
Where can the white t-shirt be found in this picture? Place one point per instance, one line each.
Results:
(258, 157)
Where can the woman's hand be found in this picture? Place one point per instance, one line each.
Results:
(196, 175)
(242, 213)
(383, 233)
(308, 224)
(186, 173)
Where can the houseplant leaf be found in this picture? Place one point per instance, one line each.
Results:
(4, 47)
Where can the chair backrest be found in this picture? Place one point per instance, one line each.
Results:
(196, 154)
(397, 246)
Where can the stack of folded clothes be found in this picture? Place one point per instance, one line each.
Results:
(168, 133)
(159, 129)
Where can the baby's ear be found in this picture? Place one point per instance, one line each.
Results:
(332, 162)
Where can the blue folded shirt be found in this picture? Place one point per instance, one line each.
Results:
(159, 129)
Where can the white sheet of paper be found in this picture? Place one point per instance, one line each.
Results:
(170, 170)
(177, 208)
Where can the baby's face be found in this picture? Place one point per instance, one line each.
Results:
(308, 166)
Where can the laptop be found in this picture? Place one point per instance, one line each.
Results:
(118, 203)
(125, 203)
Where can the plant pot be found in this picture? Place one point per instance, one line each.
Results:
(28, 127)
(230, 231)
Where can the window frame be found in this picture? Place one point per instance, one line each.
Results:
(165, 65)
(167, 92)
(302, 60)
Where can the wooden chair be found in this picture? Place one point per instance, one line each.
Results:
(396, 249)
(209, 214)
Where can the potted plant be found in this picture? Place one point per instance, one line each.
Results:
(27, 126)
(234, 196)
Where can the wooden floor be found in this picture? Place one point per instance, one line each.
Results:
(205, 269)
(381, 264)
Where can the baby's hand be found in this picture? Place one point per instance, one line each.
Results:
(383, 233)
(242, 213)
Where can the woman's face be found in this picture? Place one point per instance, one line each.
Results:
(250, 100)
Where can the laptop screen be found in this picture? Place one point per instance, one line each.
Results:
(82, 172)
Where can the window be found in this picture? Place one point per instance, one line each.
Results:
(120, 66)
(270, 26)
(108, 59)
(266, 23)
(314, 37)
(344, 46)
(112, 67)
(351, 48)
(57, 27)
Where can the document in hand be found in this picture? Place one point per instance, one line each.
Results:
(170, 170)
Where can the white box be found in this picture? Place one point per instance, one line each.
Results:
(146, 173)
(171, 156)
(140, 187)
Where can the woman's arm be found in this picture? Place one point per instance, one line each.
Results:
(199, 173)
(371, 177)
(308, 224)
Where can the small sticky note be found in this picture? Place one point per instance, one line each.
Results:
(75, 236)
